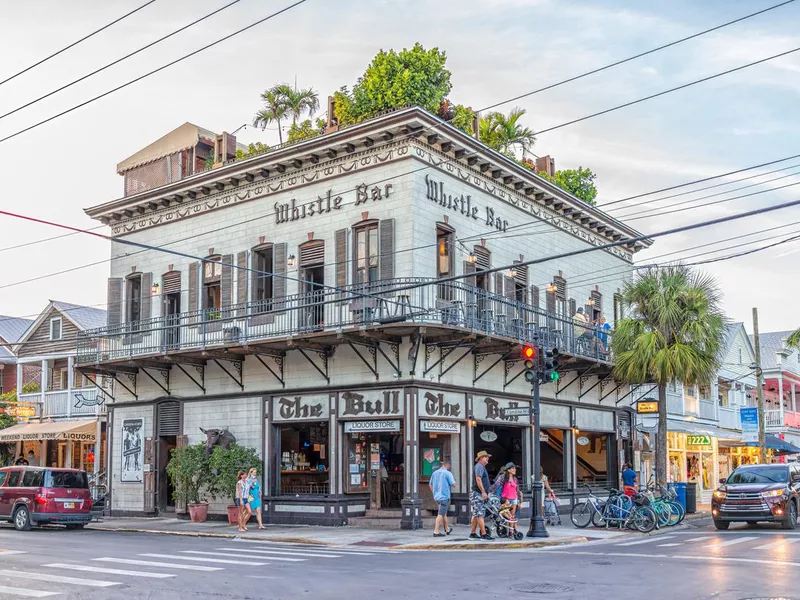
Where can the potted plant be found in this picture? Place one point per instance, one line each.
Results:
(225, 464)
(189, 472)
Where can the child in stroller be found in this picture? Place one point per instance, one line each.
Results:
(505, 523)
(551, 515)
(505, 500)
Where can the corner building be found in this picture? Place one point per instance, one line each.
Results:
(323, 337)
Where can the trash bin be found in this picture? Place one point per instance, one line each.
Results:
(691, 497)
(680, 491)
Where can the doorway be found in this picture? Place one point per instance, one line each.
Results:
(314, 296)
(504, 444)
(376, 467)
(165, 489)
(172, 320)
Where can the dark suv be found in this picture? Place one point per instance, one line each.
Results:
(38, 496)
(755, 493)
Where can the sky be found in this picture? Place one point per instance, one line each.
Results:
(496, 49)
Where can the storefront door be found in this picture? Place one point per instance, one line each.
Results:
(375, 466)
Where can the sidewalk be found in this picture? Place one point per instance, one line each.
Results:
(397, 539)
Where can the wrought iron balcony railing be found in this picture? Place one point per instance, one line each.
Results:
(456, 305)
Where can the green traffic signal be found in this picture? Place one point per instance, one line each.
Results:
(554, 376)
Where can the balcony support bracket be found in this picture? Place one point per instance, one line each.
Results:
(580, 375)
(278, 360)
(632, 390)
(371, 364)
(510, 367)
(450, 350)
(237, 366)
(201, 372)
(479, 359)
(600, 381)
(413, 352)
(615, 390)
(323, 356)
(131, 377)
(164, 373)
(100, 389)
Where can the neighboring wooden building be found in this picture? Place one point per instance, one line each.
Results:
(11, 330)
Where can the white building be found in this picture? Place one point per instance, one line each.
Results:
(323, 337)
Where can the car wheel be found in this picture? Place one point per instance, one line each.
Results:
(76, 526)
(791, 518)
(722, 524)
(22, 519)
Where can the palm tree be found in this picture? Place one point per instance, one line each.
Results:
(793, 341)
(505, 133)
(274, 110)
(298, 102)
(674, 333)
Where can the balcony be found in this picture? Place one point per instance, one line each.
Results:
(729, 418)
(772, 418)
(323, 316)
(66, 403)
(707, 410)
(674, 404)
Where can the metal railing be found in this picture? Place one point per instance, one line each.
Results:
(772, 418)
(451, 304)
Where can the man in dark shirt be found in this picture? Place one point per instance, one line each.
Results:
(479, 495)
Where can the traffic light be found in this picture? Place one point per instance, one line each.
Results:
(550, 368)
(529, 363)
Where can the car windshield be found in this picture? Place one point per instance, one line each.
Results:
(67, 479)
(761, 474)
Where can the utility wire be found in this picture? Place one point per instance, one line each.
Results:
(119, 60)
(153, 72)
(75, 43)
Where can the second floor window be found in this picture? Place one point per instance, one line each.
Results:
(133, 299)
(212, 285)
(444, 252)
(263, 263)
(366, 254)
(55, 328)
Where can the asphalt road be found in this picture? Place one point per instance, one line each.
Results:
(695, 563)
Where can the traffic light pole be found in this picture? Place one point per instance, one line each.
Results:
(537, 528)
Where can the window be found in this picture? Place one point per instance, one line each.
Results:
(673, 386)
(67, 479)
(444, 251)
(263, 290)
(740, 356)
(2, 478)
(212, 286)
(33, 478)
(13, 478)
(63, 379)
(366, 254)
(133, 300)
(55, 328)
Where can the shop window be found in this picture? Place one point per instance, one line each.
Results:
(366, 253)
(263, 290)
(305, 456)
(212, 287)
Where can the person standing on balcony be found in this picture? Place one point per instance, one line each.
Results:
(603, 327)
(582, 332)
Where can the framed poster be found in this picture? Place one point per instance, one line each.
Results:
(430, 460)
(132, 451)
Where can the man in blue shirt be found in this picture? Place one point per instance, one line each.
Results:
(441, 483)
(629, 480)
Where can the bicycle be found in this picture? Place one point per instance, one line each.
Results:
(588, 511)
(628, 512)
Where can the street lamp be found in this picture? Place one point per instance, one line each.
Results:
(155, 289)
(291, 261)
(471, 258)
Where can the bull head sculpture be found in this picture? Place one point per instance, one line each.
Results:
(218, 437)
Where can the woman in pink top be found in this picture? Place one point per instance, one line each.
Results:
(511, 493)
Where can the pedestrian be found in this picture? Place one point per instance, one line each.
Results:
(478, 496)
(511, 493)
(21, 462)
(254, 498)
(441, 482)
(242, 494)
(629, 481)
(31, 457)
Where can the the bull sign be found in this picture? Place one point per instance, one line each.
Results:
(218, 437)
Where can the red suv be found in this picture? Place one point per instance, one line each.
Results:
(38, 496)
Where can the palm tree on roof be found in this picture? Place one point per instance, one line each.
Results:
(274, 110)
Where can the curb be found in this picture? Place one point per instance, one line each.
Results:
(229, 536)
(488, 546)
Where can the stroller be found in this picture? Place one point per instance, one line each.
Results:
(504, 524)
(551, 515)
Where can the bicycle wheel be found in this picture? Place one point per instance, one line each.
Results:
(598, 518)
(644, 519)
(678, 509)
(581, 515)
(662, 512)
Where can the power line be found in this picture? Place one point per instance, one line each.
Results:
(630, 58)
(75, 43)
(153, 72)
(119, 60)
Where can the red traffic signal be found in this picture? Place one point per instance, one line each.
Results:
(528, 352)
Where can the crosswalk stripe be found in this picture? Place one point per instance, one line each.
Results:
(647, 541)
(698, 539)
(98, 569)
(337, 549)
(12, 591)
(260, 553)
(58, 578)
(731, 542)
(4, 552)
(222, 561)
(150, 563)
(281, 558)
(777, 543)
(669, 545)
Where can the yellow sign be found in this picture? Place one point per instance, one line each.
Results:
(20, 410)
(646, 407)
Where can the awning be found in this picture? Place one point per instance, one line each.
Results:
(82, 431)
(773, 442)
(731, 437)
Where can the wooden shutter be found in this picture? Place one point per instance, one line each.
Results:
(572, 306)
(550, 301)
(241, 282)
(340, 251)
(510, 288)
(194, 269)
(171, 282)
(226, 281)
(561, 287)
(484, 258)
(597, 297)
(169, 418)
(469, 267)
(149, 477)
(312, 254)
(279, 278)
(535, 299)
(181, 441)
(147, 294)
(114, 312)
(386, 249)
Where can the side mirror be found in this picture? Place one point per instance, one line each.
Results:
(723, 481)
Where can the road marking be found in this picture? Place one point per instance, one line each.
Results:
(5, 552)
(746, 538)
(58, 578)
(26, 593)
(94, 569)
(222, 561)
(780, 542)
(647, 541)
(357, 551)
(254, 552)
(669, 545)
(150, 563)
(698, 539)
(282, 559)
(683, 557)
